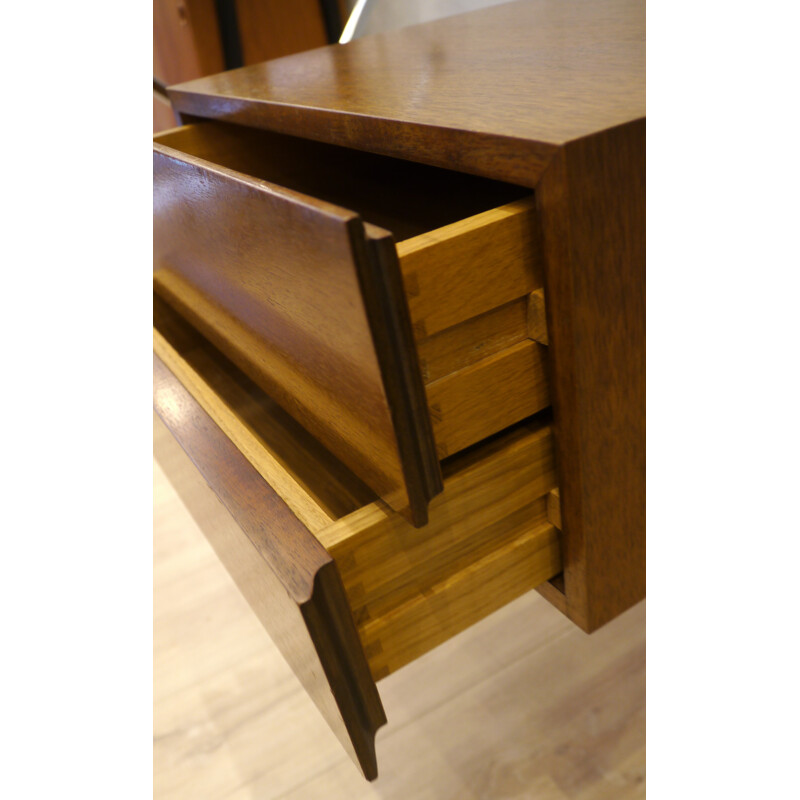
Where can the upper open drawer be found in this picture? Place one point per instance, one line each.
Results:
(395, 346)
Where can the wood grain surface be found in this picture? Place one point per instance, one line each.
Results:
(485, 397)
(287, 577)
(493, 92)
(380, 554)
(469, 342)
(288, 287)
(521, 705)
(487, 531)
(554, 508)
(537, 317)
(464, 597)
(470, 267)
(592, 206)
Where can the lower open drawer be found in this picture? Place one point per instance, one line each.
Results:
(348, 590)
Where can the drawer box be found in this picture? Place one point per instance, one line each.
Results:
(385, 305)
(348, 589)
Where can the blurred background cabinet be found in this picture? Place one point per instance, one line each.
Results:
(194, 38)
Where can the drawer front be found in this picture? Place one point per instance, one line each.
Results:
(349, 590)
(287, 577)
(297, 293)
(327, 314)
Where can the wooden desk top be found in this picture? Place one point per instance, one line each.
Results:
(494, 92)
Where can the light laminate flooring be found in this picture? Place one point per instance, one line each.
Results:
(521, 705)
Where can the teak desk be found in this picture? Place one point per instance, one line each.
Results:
(399, 333)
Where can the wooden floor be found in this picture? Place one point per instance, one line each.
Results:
(522, 705)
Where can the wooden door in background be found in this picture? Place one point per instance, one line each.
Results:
(186, 45)
(186, 40)
(274, 28)
(194, 38)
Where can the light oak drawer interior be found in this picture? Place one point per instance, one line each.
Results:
(487, 542)
(468, 253)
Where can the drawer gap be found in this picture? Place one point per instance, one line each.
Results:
(403, 197)
(316, 485)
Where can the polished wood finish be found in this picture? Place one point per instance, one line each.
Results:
(296, 293)
(287, 577)
(471, 266)
(479, 400)
(592, 206)
(186, 40)
(494, 92)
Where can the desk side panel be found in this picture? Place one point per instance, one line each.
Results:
(592, 206)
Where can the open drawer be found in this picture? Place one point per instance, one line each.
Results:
(386, 306)
(347, 588)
